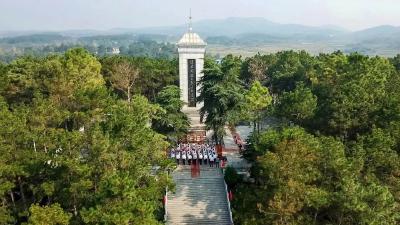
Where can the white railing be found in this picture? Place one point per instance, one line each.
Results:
(229, 203)
(166, 205)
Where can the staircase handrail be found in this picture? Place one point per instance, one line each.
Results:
(229, 203)
(166, 200)
(166, 205)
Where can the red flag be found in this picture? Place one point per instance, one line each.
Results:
(230, 196)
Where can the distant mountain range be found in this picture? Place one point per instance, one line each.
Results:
(257, 31)
(236, 26)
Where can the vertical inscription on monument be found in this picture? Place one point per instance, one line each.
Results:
(192, 82)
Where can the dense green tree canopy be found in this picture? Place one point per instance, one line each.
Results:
(172, 122)
(82, 139)
(73, 152)
(256, 101)
(297, 105)
(342, 166)
(222, 92)
(153, 74)
(48, 215)
(303, 179)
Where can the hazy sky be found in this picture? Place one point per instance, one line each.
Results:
(106, 14)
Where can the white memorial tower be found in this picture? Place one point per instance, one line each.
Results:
(191, 49)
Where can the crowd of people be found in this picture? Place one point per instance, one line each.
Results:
(195, 153)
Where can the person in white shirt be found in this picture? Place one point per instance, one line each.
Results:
(178, 156)
(184, 157)
(189, 157)
(205, 156)
(201, 156)
(194, 154)
(211, 160)
(172, 153)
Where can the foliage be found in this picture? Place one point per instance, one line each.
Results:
(297, 105)
(352, 91)
(342, 166)
(396, 62)
(40, 45)
(257, 99)
(72, 150)
(48, 215)
(290, 68)
(221, 92)
(256, 68)
(123, 78)
(232, 178)
(173, 123)
(320, 188)
(154, 74)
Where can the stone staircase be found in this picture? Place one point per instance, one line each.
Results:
(200, 200)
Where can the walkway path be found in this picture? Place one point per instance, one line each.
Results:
(232, 150)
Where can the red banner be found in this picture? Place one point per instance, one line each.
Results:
(195, 169)
(219, 149)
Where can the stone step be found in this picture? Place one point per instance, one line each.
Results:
(189, 183)
(218, 210)
(195, 221)
(193, 200)
(200, 200)
(202, 168)
(199, 222)
(187, 176)
(198, 181)
(209, 211)
(197, 215)
(217, 207)
(197, 197)
(182, 212)
(203, 217)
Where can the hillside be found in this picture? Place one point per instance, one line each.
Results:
(245, 36)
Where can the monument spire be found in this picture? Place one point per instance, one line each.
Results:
(191, 49)
(190, 20)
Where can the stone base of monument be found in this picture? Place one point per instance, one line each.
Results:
(197, 130)
(194, 118)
